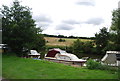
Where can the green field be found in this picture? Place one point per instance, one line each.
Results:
(21, 68)
(53, 41)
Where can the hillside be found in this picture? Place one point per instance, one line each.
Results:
(53, 41)
(21, 68)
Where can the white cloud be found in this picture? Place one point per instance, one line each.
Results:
(86, 2)
(95, 21)
(72, 22)
(43, 18)
(64, 27)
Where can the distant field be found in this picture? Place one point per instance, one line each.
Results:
(53, 41)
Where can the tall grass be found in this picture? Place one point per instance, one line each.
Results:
(21, 68)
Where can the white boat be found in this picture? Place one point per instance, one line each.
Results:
(111, 58)
(34, 54)
(61, 55)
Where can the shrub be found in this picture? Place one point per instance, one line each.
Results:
(91, 64)
(61, 40)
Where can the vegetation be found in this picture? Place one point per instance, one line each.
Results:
(91, 64)
(72, 37)
(79, 47)
(19, 29)
(61, 40)
(54, 41)
(102, 39)
(115, 29)
(21, 68)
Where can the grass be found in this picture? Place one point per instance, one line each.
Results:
(0, 65)
(53, 41)
(21, 68)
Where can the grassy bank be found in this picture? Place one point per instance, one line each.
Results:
(21, 68)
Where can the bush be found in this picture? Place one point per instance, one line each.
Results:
(61, 40)
(91, 64)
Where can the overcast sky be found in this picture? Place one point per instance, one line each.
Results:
(70, 17)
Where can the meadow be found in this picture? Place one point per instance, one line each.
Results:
(21, 68)
(53, 41)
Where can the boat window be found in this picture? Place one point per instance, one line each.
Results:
(118, 57)
(63, 52)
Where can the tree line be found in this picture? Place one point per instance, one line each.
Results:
(74, 37)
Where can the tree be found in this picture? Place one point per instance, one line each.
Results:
(77, 46)
(0, 29)
(88, 46)
(115, 28)
(19, 29)
(102, 39)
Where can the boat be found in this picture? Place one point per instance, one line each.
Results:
(58, 55)
(111, 58)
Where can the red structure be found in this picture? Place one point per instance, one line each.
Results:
(52, 53)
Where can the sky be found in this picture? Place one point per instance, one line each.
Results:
(81, 18)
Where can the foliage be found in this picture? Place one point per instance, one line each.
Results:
(102, 39)
(61, 40)
(19, 29)
(60, 36)
(91, 64)
(77, 46)
(21, 68)
(88, 47)
(82, 47)
(115, 28)
(51, 47)
(73, 37)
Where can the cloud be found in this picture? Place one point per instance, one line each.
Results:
(43, 18)
(72, 22)
(43, 21)
(64, 27)
(94, 21)
(43, 24)
(86, 2)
